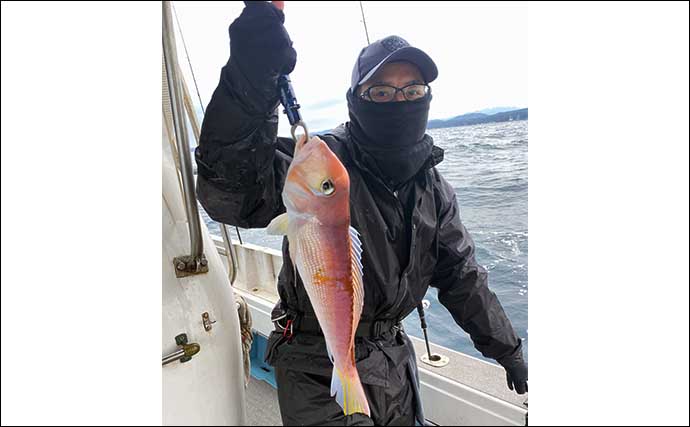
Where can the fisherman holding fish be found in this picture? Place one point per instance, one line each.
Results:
(369, 220)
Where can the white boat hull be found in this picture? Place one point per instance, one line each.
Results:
(209, 389)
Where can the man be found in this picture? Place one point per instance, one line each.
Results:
(405, 211)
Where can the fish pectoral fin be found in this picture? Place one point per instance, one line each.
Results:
(279, 225)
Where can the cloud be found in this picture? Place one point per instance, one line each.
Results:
(324, 104)
(480, 50)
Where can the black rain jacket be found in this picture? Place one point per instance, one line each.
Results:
(241, 171)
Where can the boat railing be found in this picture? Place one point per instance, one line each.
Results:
(194, 262)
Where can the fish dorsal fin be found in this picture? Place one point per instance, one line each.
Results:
(357, 273)
(279, 225)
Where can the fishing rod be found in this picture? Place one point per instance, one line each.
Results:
(364, 21)
(422, 320)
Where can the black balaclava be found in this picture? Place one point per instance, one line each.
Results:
(392, 134)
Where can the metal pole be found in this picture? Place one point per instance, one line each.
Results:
(192, 114)
(232, 270)
(183, 147)
(177, 355)
(230, 254)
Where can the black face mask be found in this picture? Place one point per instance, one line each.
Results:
(391, 135)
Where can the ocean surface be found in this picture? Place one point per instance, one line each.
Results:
(487, 166)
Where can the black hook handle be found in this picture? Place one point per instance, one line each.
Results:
(288, 99)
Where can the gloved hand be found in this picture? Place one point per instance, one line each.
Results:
(516, 370)
(260, 51)
(517, 378)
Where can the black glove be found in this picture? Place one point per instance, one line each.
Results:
(516, 370)
(517, 378)
(260, 51)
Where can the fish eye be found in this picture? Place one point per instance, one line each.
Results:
(327, 187)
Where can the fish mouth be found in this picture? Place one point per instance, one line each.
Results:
(308, 148)
(300, 145)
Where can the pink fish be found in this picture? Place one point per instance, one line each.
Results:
(327, 252)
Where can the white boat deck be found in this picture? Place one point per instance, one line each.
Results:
(262, 404)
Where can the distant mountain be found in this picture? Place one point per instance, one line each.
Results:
(495, 110)
(496, 114)
(478, 118)
(468, 116)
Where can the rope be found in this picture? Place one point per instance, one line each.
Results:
(247, 337)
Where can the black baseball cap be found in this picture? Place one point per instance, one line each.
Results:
(390, 49)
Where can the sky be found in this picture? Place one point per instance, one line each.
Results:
(480, 49)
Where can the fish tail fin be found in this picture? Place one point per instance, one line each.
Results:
(348, 392)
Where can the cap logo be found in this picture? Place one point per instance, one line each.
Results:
(394, 43)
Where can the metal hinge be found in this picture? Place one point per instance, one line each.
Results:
(186, 265)
(207, 322)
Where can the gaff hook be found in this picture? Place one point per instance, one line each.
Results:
(294, 127)
(289, 101)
